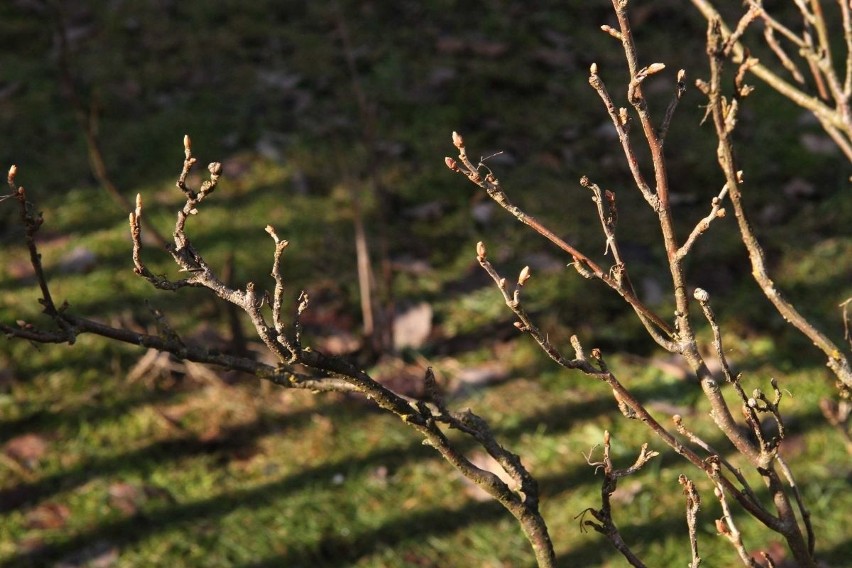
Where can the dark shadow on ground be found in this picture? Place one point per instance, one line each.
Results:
(44, 420)
(174, 449)
(334, 550)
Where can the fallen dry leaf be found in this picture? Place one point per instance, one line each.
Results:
(48, 516)
(27, 449)
(125, 497)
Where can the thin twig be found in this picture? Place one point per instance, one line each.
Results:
(605, 523)
(727, 528)
(693, 504)
(492, 186)
(716, 212)
(837, 361)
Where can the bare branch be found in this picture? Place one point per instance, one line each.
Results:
(492, 186)
(726, 527)
(837, 361)
(605, 523)
(716, 212)
(693, 504)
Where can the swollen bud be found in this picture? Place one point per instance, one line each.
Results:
(655, 68)
(187, 143)
(611, 31)
(524, 276)
(481, 253)
(215, 168)
(269, 229)
(701, 295)
(13, 170)
(451, 163)
(458, 141)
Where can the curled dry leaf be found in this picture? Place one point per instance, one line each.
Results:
(48, 516)
(27, 449)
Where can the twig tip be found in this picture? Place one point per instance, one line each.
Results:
(481, 251)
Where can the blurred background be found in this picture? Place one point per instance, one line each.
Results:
(331, 120)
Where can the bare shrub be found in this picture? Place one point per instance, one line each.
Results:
(749, 419)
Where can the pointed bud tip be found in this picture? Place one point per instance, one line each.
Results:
(481, 252)
(458, 141)
(13, 169)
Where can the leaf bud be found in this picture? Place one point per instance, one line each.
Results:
(13, 170)
(458, 141)
(611, 31)
(524, 276)
(701, 295)
(187, 143)
(451, 163)
(215, 168)
(481, 252)
(655, 68)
